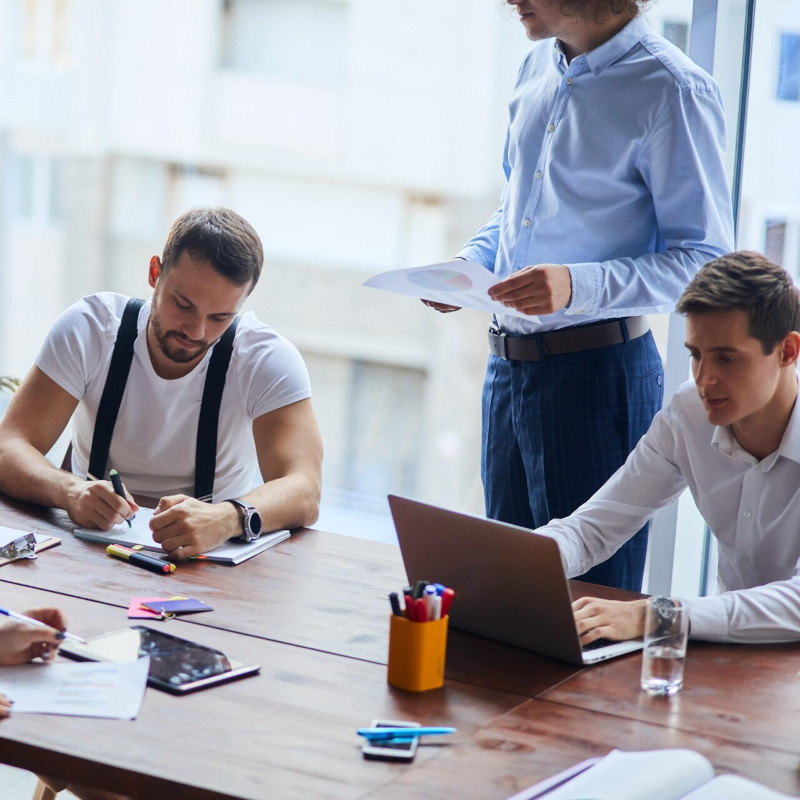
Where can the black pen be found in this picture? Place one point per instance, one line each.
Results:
(395, 603)
(116, 482)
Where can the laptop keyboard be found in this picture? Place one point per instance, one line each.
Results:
(597, 643)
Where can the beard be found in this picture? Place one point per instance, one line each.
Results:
(175, 352)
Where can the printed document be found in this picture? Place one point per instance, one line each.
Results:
(88, 689)
(455, 283)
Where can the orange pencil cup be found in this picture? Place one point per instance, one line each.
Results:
(416, 653)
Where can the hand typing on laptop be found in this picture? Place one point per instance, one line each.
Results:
(608, 619)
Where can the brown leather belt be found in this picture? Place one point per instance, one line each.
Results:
(540, 346)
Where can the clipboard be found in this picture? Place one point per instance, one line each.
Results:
(43, 542)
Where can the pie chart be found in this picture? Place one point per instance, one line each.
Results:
(441, 280)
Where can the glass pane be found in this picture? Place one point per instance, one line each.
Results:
(770, 200)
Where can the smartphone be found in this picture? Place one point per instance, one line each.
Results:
(391, 749)
(177, 665)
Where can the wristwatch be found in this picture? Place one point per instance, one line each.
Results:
(251, 521)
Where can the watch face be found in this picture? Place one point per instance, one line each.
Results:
(255, 523)
(252, 521)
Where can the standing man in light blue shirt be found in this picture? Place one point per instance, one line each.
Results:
(615, 195)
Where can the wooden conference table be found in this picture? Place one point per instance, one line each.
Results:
(313, 612)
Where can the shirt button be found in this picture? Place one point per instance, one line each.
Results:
(568, 81)
(744, 560)
(551, 128)
(748, 514)
(538, 175)
(526, 223)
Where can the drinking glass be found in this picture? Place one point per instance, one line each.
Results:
(665, 632)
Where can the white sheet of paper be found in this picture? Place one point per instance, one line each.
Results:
(140, 534)
(654, 774)
(733, 787)
(456, 283)
(90, 689)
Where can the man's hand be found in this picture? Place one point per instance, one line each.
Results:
(186, 527)
(442, 307)
(540, 289)
(609, 619)
(95, 504)
(20, 642)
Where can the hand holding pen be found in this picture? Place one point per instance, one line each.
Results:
(95, 504)
(37, 633)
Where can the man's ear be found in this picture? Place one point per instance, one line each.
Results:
(154, 271)
(790, 348)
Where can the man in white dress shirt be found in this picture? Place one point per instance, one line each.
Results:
(733, 438)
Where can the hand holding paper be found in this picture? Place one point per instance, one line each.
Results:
(451, 283)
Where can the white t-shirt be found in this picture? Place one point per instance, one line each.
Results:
(154, 442)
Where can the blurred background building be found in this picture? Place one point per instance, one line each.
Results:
(357, 136)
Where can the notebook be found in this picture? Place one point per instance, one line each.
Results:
(510, 583)
(140, 535)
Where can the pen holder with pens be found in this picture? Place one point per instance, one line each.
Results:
(417, 653)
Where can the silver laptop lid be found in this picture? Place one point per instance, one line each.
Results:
(509, 582)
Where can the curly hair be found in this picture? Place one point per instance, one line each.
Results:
(601, 10)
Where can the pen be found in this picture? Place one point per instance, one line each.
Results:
(116, 482)
(447, 598)
(395, 603)
(419, 587)
(410, 615)
(144, 560)
(39, 624)
(401, 733)
(428, 593)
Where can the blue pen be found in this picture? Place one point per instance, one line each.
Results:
(401, 733)
(38, 624)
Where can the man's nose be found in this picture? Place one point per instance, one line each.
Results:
(195, 328)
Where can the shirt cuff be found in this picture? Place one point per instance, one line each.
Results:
(708, 618)
(475, 254)
(587, 285)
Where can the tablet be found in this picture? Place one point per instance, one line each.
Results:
(177, 665)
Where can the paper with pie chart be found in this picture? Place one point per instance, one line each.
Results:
(456, 283)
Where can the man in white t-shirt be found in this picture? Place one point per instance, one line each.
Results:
(733, 438)
(266, 468)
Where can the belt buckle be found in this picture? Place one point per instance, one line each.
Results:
(501, 344)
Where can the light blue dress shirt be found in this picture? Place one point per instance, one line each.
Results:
(614, 166)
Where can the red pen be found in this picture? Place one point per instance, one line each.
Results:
(421, 609)
(447, 599)
(410, 608)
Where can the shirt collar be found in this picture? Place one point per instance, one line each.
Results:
(617, 46)
(724, 440)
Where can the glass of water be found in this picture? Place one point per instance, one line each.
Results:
(666, 627)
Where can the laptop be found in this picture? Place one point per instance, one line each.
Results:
(509, 582)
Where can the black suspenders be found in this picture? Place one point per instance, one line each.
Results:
(207, 424)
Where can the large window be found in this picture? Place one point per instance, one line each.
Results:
(357, 136)
(289, 39)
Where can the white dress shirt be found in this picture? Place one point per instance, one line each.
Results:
(752, 507)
